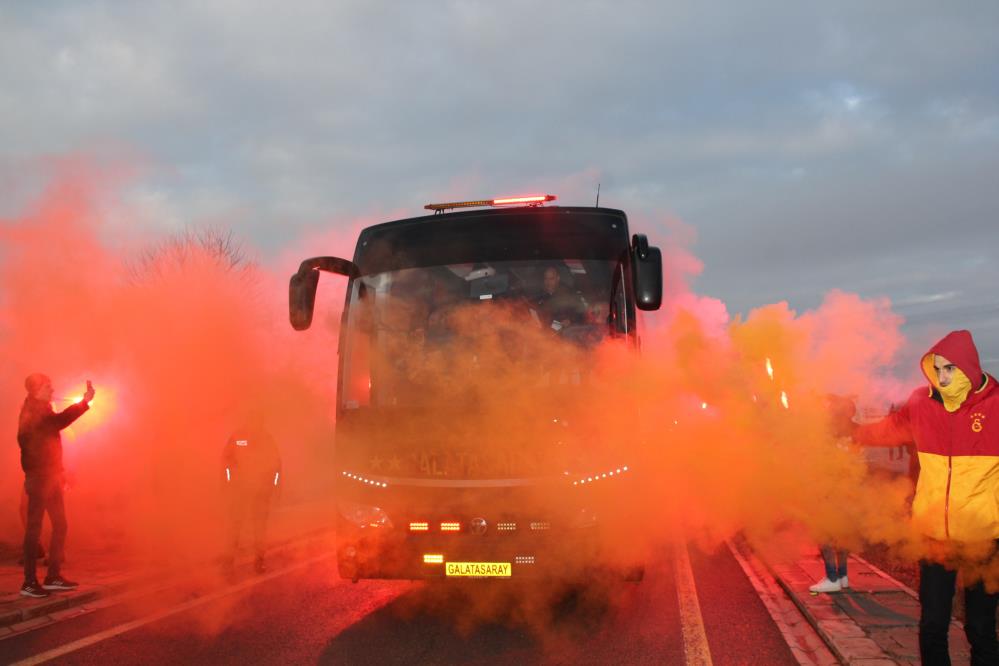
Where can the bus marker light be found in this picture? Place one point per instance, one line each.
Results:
(433, 558)
(419, 527)
(361, 479)
(450, 526)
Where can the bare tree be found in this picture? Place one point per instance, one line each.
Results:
(185, 249)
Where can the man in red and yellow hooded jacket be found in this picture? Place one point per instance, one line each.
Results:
(955, 426)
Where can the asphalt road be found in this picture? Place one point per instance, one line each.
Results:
(306, 614)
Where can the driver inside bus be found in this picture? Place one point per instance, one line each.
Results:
(558, 306)
(444, 301)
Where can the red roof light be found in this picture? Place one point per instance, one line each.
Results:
(541, 198)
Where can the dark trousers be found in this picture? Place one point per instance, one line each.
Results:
(23, 508)
(44, 496)
(254, 504)
(936, 594)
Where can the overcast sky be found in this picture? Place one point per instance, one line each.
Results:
(809, 146)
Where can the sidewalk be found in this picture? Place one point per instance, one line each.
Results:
(103, 574)
(876, 621)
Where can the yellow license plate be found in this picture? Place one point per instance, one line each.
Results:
(478, 569)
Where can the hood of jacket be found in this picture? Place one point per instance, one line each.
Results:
(959, 348)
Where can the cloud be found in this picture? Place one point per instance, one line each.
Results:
(844, 146)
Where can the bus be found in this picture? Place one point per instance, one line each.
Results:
(464, 345)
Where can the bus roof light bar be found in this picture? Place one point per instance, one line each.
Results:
(533, 200)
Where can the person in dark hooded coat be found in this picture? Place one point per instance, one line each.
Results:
(38, 437)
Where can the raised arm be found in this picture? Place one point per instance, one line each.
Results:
(65, 418)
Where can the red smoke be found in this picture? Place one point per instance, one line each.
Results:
(182, 335)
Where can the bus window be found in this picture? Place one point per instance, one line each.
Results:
(356, 375)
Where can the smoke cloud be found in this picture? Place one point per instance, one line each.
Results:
(719, 426)
(183, 337)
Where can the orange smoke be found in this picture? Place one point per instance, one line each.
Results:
(721, 425)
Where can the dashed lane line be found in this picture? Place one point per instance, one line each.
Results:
(695, 639)
(55, 653)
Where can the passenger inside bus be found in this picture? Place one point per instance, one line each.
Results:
(558, 305)
(445, 297)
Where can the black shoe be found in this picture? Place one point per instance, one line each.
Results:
(33, 589)
(259, 566)
(59, 583)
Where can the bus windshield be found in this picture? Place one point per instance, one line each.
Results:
(443, 334)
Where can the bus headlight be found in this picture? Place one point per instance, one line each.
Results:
(363, 515)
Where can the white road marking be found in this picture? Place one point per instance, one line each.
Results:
(695, 640)
(55, 653)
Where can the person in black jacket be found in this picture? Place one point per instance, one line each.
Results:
(252, 468)
(38, 437)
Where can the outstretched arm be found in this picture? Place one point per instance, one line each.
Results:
(65, 418)
(893, 430)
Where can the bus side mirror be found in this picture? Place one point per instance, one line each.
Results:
(302, 288)
(647, 268)
(302, 298)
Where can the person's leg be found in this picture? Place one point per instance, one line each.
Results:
(23, 512)
(34, 488)
(980, 624)
(829, 559)
(56, 508)
(841, 557)
(23, 509)
(261, 511)
(237, 510)
(936, 594)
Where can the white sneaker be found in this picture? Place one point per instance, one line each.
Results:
(826, 585)
(844, 583)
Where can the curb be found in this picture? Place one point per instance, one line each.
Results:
(803, 609)
(807, 645)
(805, 613)
(80, 597)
